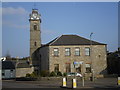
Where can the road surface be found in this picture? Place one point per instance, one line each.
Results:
(103, 83)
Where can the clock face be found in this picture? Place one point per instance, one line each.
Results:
(34, 15)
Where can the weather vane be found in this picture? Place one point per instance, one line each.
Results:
(34, 5)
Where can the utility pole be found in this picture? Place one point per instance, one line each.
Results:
(83, 75)
(92, 67)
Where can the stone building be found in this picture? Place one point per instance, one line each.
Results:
(72, 53)
(67, 53)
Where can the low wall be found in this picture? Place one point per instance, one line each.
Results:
(21, 72)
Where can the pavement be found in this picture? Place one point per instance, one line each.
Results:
(101, 83)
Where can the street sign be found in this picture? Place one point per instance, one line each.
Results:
(81, 62)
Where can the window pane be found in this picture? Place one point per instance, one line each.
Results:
(68, 69)
(56, 52)
(35, 27)
(87, 51)
(88, 68)
(56, 67)
(3, 74)
(35, 43)
(67, 51)
(77, 51)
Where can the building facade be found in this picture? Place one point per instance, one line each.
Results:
(72, 53)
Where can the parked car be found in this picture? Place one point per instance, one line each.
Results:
(74, 74)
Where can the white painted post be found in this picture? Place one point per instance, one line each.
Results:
(64, 82)
(74, 84)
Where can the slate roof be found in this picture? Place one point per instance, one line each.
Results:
(8, 65)
(72, 40)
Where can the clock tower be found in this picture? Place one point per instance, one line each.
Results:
(35, 33)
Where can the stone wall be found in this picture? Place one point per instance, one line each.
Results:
(44, 60)
(21, 72)
(97, 57)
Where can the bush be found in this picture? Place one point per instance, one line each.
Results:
(32, 75)
(44, 73)
(64, 74)
(52, 74)
(28, 75)
(59, 73)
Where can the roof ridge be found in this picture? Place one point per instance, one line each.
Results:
(73, 39)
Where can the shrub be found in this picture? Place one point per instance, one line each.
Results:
(28, 75)
(59, 73)
(64, 74)
(52, 74)
(32, 75)
(44, 73)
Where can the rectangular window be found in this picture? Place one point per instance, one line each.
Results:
(3, 74)
(56, 67)
(77, 51)
(56, 51)
(88, 68)
(35, 43)
(87, 51)
(35, 27)
(67, 51)
(68, 69)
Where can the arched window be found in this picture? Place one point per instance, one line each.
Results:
(35, 43)
(35, 27)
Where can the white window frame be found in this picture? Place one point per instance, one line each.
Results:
(88, 66)
(67, 52)
(56, 52)
(87, 51)
(77, 51)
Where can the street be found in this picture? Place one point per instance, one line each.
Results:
(103, 83)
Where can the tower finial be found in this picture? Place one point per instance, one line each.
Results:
(34, 5)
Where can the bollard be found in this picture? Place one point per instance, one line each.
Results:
(64, 82)
(118, 80)
(74, 84)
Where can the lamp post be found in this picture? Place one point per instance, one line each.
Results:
(92, 68)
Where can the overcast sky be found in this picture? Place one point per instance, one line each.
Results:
(57, 19)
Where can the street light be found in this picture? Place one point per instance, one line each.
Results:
(92, 69)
